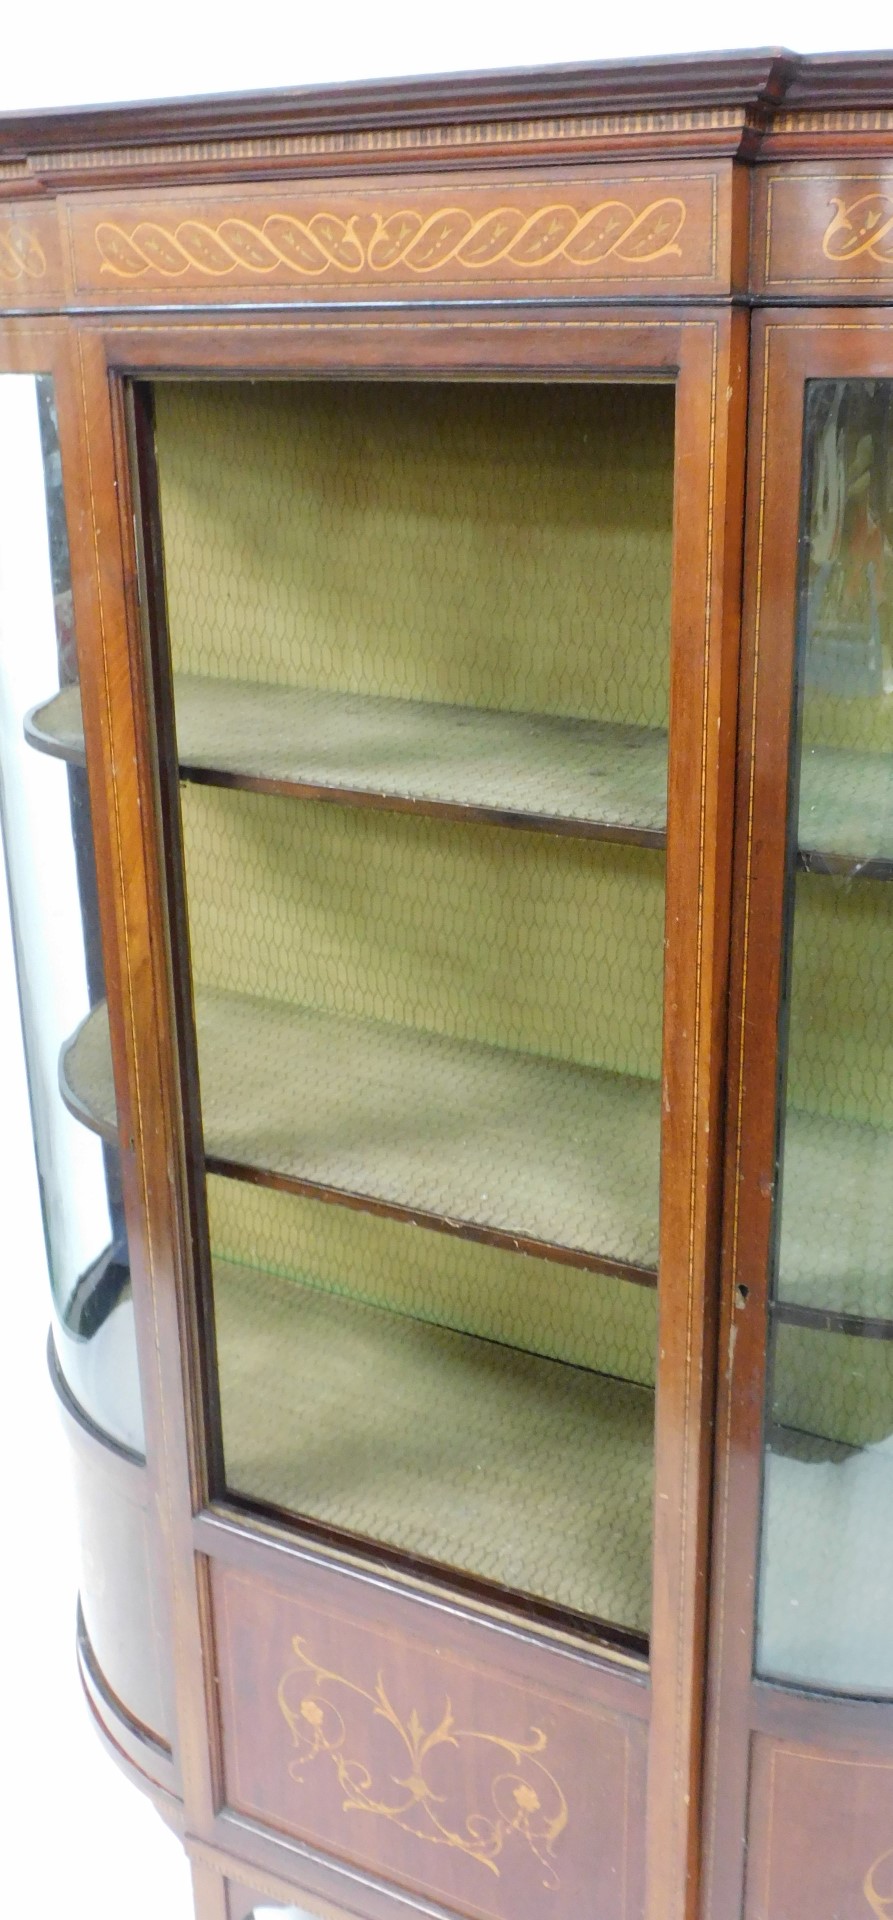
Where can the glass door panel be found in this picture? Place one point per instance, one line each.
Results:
(48, 843)
(419, 639)
(825, 1615)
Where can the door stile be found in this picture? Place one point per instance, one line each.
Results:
(741, 1334)
(119, 695)
(711, 409)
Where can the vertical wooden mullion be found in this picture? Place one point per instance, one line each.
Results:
(705, 629)
(741, 1337)
(134, 407)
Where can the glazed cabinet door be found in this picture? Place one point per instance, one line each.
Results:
(438, 644)
(803, 1648)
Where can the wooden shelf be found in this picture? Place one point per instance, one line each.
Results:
(57, 727)
(533, 770)
(582, 777)
(834, 1170)
(523, 1471)
(514, 1149)
(846, 813)
(832, 1320)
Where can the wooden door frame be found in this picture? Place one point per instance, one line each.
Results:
(789, 348)
(705, 351)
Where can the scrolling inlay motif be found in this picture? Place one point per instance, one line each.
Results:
(376, 242)
(881, 1904)
(526, 1801)
(865, 227)
(21, 255)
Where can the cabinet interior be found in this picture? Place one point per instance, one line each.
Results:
(461, 582)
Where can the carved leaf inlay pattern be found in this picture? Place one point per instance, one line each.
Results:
(422, 243)
(424, 1775)
(21, 255)
(864, 229)
(878, 1886)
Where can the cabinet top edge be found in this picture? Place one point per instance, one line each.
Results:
(760, 77)
(747, 104)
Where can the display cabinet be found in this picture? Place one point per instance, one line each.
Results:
(446, 692)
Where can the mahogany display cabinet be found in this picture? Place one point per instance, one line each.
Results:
(447, 727)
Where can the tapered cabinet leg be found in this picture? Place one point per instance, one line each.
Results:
(208, 1892)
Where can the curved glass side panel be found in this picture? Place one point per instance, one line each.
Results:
(48, 846)
(826, 1616)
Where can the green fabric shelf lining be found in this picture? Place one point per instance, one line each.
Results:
(523, 1471)
(474, 1136)
(586, 776)
(463, 1135)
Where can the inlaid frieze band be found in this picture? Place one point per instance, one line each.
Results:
(862, 227)
(822, 232)
(21, 255)
(30, 264)
(425, 244)
(570, 235)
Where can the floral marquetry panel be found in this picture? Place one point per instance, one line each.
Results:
(824, 229)
(821, 1831)
(358, 1724)
(30, 257)
(602, 231)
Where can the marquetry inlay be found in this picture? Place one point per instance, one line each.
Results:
(496, 1793)
(522, 1804)
(878, 1885)
(863, 226)
(841, 120)
(571, 129)
(820, 229)
(423, 242)
(821, 1833)
(622, 229)
(21, 255)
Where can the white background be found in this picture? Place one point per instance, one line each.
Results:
(79, 1841)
